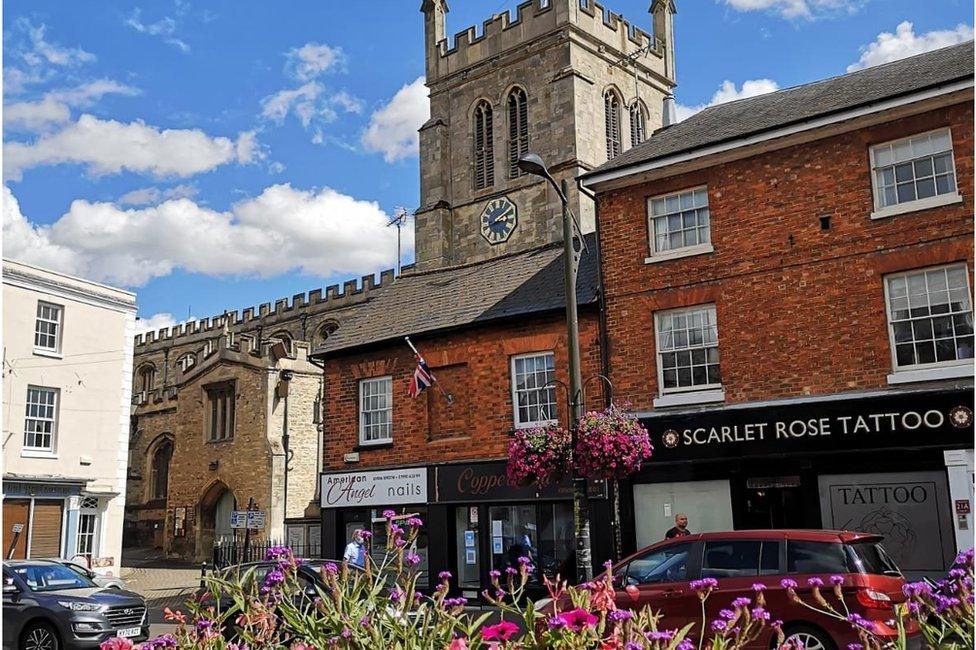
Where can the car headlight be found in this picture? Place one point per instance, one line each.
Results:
(79, 606)
(86, 627)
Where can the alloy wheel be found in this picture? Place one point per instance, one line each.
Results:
(809, 641)
(40, 638)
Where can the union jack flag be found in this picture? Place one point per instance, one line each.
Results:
(422, 378)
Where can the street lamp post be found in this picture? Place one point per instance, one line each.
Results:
(572, 249)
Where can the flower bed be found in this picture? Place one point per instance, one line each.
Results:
(380, 608)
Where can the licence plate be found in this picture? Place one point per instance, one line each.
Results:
(129, 631)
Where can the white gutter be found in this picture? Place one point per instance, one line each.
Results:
(809, 125)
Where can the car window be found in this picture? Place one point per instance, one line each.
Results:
(51, 577)
(871, 558)
(769, 558)
(815, 557)
(730, 559)
(668, 564)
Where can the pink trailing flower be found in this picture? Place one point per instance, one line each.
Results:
(457, 643)
(539, 455)
(610, 445)
(576, 620)
(117, 643)
(501, 632)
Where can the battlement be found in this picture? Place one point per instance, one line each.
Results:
(533, 19)
(267, 314)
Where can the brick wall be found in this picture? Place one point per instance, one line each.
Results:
(476, 366)
(801, 310)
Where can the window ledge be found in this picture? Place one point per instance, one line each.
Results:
(931, 374)
(915, 206)
(37, 453)
(533, 425)
(41, 352)
(692, 397)
(700, 249)
(367, 446)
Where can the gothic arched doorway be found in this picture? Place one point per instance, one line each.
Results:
(216, 506)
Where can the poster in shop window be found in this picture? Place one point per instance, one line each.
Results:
(909, 509)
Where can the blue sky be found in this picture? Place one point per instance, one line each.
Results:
(215, 155)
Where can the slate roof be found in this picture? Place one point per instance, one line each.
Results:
(754, 115)
(515, 285)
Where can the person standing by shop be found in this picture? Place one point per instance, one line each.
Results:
(356, 549)
(680, 528)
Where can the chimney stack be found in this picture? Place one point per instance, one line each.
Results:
(669, 114)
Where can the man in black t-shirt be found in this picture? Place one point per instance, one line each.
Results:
(680, 527)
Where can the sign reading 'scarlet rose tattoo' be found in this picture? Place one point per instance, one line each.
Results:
(379, 488)
(939, 418)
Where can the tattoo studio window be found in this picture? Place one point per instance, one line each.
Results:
(687, 349)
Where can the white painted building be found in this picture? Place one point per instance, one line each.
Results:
(67, 368)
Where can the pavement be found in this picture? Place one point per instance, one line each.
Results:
(162, 582)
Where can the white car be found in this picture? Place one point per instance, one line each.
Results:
(108, 582)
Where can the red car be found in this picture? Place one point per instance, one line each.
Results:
(872, 583)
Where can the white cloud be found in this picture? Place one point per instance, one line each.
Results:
(312, 60)
(728, 92)
(905, 42)
(42, 51)
(798, 8)
(157, 322)
(153, 195)
(311, 105)
(393, 127)
(109, 147)
(165, 28)
(54, 107)
(319, 232)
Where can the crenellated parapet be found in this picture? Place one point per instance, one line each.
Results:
(267, 317)
(533, 20)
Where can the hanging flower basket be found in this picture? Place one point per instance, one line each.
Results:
(610, 445)
(539, 455)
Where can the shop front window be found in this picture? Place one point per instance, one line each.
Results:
(542, 533)
(468, 545)
(372, 520)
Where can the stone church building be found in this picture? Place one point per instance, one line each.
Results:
(253, 406)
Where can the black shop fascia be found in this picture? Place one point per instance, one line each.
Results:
(875, 462)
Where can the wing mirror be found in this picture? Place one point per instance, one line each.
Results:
(9, 587)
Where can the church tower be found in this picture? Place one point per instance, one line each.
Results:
(566, 79)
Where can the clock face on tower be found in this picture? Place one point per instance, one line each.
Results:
(498, 220)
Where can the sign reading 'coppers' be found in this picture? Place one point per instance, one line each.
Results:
(387, 487)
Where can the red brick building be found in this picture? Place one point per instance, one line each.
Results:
(789, 307)
(493, 334)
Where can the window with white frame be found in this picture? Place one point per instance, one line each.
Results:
(41, 421)
(87, 527)
(679, 220)
(930, 318)
(47, 327)
(687, 349)
(913, 169)
(375, 410)
(533, 395)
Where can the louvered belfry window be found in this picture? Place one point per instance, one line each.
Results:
(484, 150)
(638, 124)
(518, 130)
(611, 106)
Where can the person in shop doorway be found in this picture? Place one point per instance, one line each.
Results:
(680, 527)
(356, 549)
(521, 547)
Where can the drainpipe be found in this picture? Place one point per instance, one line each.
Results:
(285, 376)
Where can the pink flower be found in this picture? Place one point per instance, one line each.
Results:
(577, 620)
(501, 632)
(117, 643)
(458, 643)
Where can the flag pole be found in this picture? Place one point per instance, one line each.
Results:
(447, 396)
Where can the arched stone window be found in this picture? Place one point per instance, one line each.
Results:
(325, 330)
(147, 378)
(611, 108)
(159, 478)
(518, 130)
(284, 337)
(484, 146)
(638, 123)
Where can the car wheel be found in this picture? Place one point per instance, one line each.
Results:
(39, 636)
(810, 637)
